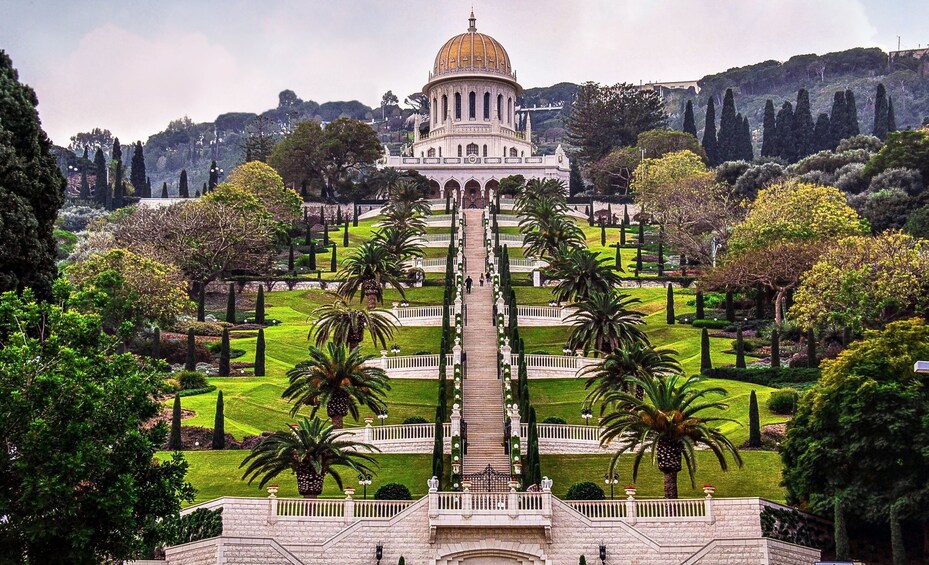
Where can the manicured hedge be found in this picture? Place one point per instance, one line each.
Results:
(769, 376)
(196, 391)
(711, 324)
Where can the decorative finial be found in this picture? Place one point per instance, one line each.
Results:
(472, 22)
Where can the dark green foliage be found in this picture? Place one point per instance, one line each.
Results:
(821, 135)
(260, 354)
(638, 261)
(768, 133)
(851, 114)
(840, 532)
(198, 525)
(811, 361)
(260, 305)
(354, 216)
(85, 186)
(137, 172)
(903, 150)
(641, 233)
(700, 305)
(711, 324)
(214, 177)
(219, 424)
(784, 145)
(754, 421)
(625, 216)
(660, 257)
(767, 376)
(690, 126)
(191, 363)
(897, 547)
(334, 260)
(191, 379)
(325, 233)
(746, 150)
(804, 142)
(224, 354)
(118, 191)
(709, 143)
(585, 490)
(182, 189)
(393, 491)
(438, 456)
(582, 560)
(783, 401)
(156, 344)
(705, 362)
(622, 234)
(879, 129)
(554, 420)
(602, 233)
(164, 189)
(730, 307)
(619, 259)
(575, 181)
(230, 304)
(669, 307)
(739, 350)
(290, 258)
(174, 442)
(775, 349)
(312, 256)
(838, 120)
(101, 188)
(401, 561)
(729, 127)
(338, 216)
(201, 302)
(345, 235)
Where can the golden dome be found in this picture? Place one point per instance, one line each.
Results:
(472, 52)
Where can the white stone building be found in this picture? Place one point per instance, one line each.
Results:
(474, 139)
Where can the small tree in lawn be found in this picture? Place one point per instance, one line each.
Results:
(191, 363)
(619, 258)
(201, 302)
(219, 424)
(345, 235)
(354, 216)
(230, 304)
(670, 305)
(622, 235)
(775, 349)
(312, 260)
(700, 306)
(224, 354)
(290, 259)
(334, 260)
(602, 233)
(754, 421)
(325, 233)
(260, 354)
(174, 443)
(739, 350)
(705, 362)
(730, 306)
(638, 261)
(626, 215)
(660, 257)
(260, 306)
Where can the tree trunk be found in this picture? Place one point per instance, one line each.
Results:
(779, 307)
(338, 421)
(309, 484)
(670, 485)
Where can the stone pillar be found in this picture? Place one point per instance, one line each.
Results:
(466, 499)
(536, 278)
(507, 352)
(630, 505)
(515, 425)
(512, 500)
(433, 496)
(709, 508)
(384, 358)
(456, 421)
(272, 504)
(458, 305)
(546, 497)
(369, 430)
(456, 354)
(348, 513)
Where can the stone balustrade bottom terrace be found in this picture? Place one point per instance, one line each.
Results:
(482, 408)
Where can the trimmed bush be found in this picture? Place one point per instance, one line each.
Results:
(260, 354)
(783, 401)
(191, 379)
(224, 355)
(416, 420)
(700, 306)
(219, 424)
(196, 391)
(191, 361)
(211, 329)
(554, 420)
(260, 306)
(230, 304)
(711, 324)
(393, 491)
(769, 376)
(585, 490)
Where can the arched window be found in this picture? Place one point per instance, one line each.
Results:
(513, 152)
(504, 150)
(444, 107)
(500, 107)
(485, 150)
(472, 105)
(509, 111)
(472, 149)
(486, 105)
(435, 112)
(432, 152)
(459, 151)
(440, 152)
(457, 105)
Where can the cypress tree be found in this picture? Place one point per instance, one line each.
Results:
(879, 129)
(575, 180)
(746, 148)
(660, 257)
(137, 171)
(619, 259)
(290, 258)
(590, 216)
(117, 193)
(354, 216)
(851, 113)
(705, 362)
(739, 350)
(230, 304)
(638, 261)
(333, 262)
(754, 421)
(85, 186)
(201, 302)
(345, 236)
(837, 120)
(891, 116)
(101, 188)
(308, 235)
(182, 190)
(164, 190)
(603, 233)
(840, 531)
(204, 190)
(219, 424)
(821, 135)
(148, 187)
(768, 132)
(690, 126)
(582, 560)
(622, 235)
(438, 450)
(224, 354)
(609, 215)
(626, 215)
(775, 348)
(156, 344)
(260, 305)
(709, 133)
(803, 128)
(700, 306)
(683, 264)
(174, 443)
(730, 306)
(669, 307)
(325, 233)
(214, 177)
(260, 353)
(304, 193)
(784, 141)
(728, 129)
(312, 261)
(811, 349)
(897, 547)
(641, 233)
(191, 363)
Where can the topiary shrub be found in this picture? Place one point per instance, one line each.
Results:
(393, 491)
(191, 379)
(213, 329)
(711, 324)
(585, 490)
(554, 420)
(416, 420)
(783, 401)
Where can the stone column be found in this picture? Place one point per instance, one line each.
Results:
(272, 504)
(369, 430)
(466, 499)
(456, 354)
(536, 278)
(456, 421)
(433, 496)
(512, 500)
(507, 352)
(546, 497)
(348, 513)
(384, 357)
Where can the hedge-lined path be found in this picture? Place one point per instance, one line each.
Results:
(482, 393)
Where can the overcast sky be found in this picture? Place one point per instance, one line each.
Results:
(132, 66)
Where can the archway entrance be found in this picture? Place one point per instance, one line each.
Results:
(490, 551)
(434, 190)
(473, 195)
(452, 188)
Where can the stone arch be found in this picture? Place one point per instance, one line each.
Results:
(472, 195)
(451, 188)
(435, 191)
(492, 184)
(491, 551)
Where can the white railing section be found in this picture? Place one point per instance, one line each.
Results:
(510, 239)
(408, 312)
(410, 361)
(565, 432)
(444, 219)
(380, 509)
(661, 509)
(437, 237)
(600, 509)
(403, 432)
(566, 362)
(552, 312)
(306, 508)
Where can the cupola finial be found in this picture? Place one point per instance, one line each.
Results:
(472, 22)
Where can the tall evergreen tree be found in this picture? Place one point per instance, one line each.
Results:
(182, 189)
(746, 150)
(838, 120)
(701, 313)
(219, 424)
(325, 233)
(821, 135)
(602, 233)
(354, 215)
(638, 261)
(117, 192)
(768, 132)
(148, 187)
(174, 442)
(85, 186)
(710, 144)
(775, 348)
(626, 215)
(803, 128)
(754, 421)
(345, 235)
(730, 306)
(690, 125)
(230, 304)
(312, 261)
(260, 305)
(164, 189)
(191, 362)
(260, 353)
(879, 129)
(784, 141)
(729, 125)
(705, 362)
(214, 177)
(224, 354)
(851, 114)
(739, 349)
(891, 116)
(669, 306)
(137, 174)
(622, 235)
(334, 260)
(101, 187)
(575, 180)
(290, 259)
(201, 302)
(619, 256)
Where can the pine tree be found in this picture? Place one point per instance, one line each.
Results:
(333, 261)
(811, 349)
(182, 190)
(575, 180)
(164, 190)
(700, 306)
(224, 354)
(710, 144)
(839, 531)
(137, 171)
(260, 305)
(775, 349)
(746, 149)
(345, 236)
(803, 128)
(312, 260)
(85, 187)
(730, 306)
(191, 363)
(214, 177)
(156, 344)
(754, 421)
(837, 120)
(879, 129)
(260, 353)
(201, 302)
(739, 350)
(690, 126)
(219, 424)
(669, 307)
(101, 187)
(851, 114)
(821, 134)
(768, 132)
(174, 443)
(230, 304)
(784, 142)
(728, 129)
(290, 259)
(891, 116)
(705, 362)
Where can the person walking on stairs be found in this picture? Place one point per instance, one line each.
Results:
(481, 280)
(468, 283)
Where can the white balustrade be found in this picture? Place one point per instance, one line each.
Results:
(664, 509)
(437, 219)
(310, 508)
(405, 432)
(600, 509)
(564, 432)
(380, 509)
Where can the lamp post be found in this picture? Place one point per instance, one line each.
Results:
(395, 349)
(382, 415)
(611, 480)
(566, 351)
(587, 415)
(364, 480)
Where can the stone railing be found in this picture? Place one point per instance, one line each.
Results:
(323, 509)
(402, 432)
(507, 220)
(555, 366)
(409, 366)
(565, 432)
(511, 240)
(634, 510)
(431, 265)
(526, 265)
(440, 219)
(490, 509)
(540, 315)
(417, 315)
(434, 240)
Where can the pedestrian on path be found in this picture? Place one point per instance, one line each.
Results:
(468, 283)
(481, 280)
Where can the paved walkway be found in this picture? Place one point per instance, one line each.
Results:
(482, 395)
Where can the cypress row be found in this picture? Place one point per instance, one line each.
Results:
(219, 424)
(174, 443)
(260, 354)
(224, 354)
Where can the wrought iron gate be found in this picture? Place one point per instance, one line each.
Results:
(489, 480)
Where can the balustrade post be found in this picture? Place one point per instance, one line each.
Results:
(708, 501)
(457, 305)
(348, 512)
(456, 421)
(369, 429)
(546, 497)
(512, 500)
(515, 424)
(433, 496)
(384, 357)
(537, 278)
(466, 499)
(456, 354)
(507, 352)
(272, 504)
(630, 506)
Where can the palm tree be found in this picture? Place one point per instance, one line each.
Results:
(311, 451)
(368, 270)
(615, 371)
(548, 234)
(546, 188)
(400, 242)
(338, 380)
(604, 322)
(344, 324)
(581, 273)
(667, 423)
